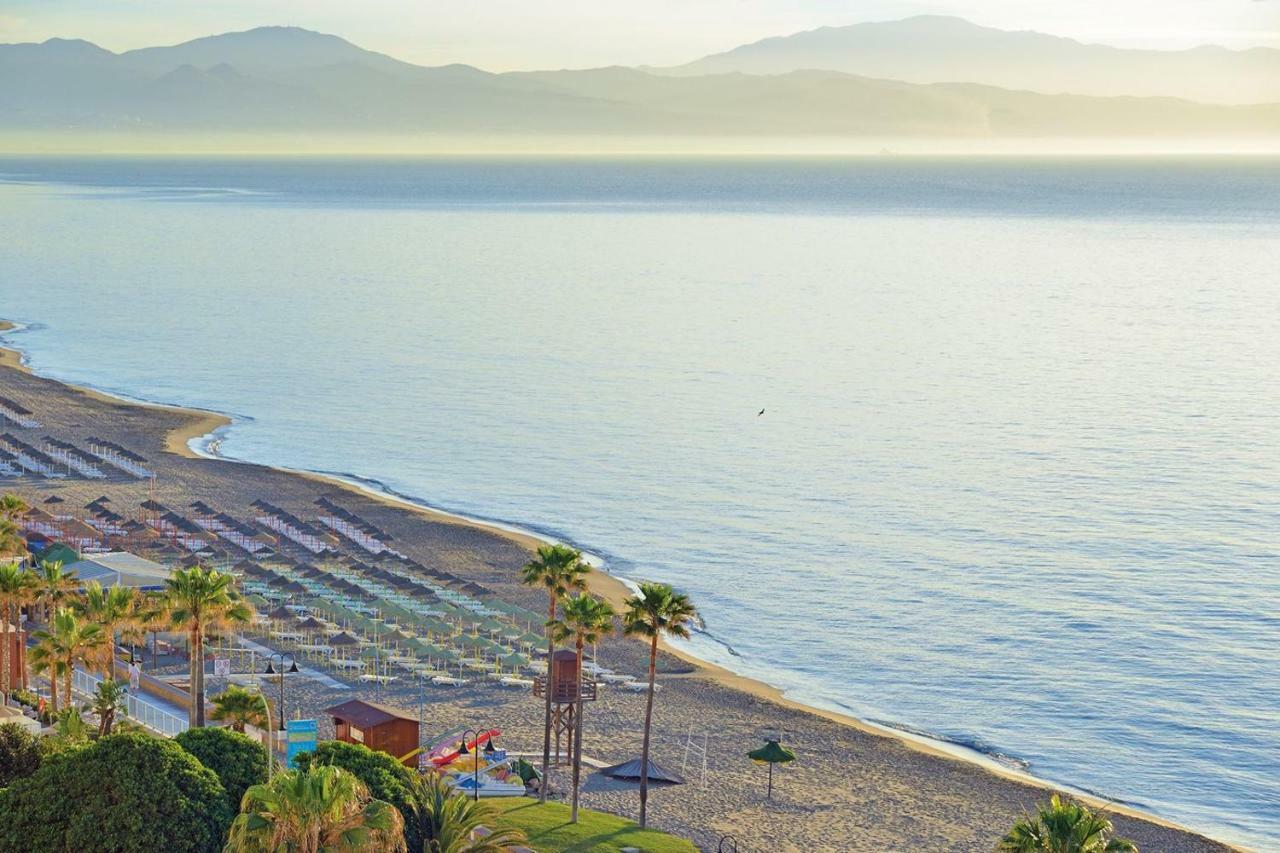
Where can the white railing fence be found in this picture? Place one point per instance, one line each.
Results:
(139, 709)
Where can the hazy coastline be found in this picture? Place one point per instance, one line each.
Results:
(192, 438)
(983, 203)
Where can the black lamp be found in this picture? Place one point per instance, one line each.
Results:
(271, 670)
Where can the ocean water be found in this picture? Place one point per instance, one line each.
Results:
(1017, 480)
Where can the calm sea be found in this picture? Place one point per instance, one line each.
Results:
(1017, 480)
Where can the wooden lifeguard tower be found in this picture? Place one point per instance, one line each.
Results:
(562, 676)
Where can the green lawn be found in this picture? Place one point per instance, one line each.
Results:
(549, 829)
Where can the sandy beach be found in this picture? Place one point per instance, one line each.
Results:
(853, 787)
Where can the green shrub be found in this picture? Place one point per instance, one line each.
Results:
(387, 779)
(238, 760)
(20, 753)
(121, 794)
(27, 698)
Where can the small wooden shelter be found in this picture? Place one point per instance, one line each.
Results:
(377, 726)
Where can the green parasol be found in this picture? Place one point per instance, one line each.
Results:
(771, 753)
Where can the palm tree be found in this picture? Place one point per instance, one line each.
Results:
(13, 544)
(559, 570)
(240, 707)
(447, 821)
(202, 601)
(585, 620)
(17, 542)
(111, 607)
(109, 699)
(63, 643)
(15, 590)
(150, 614)
(1068, 827)
(12, 506)
(323, 808)
(54, 587)
(45, 660)
(656, 612)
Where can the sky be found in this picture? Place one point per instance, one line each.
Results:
(503, 35)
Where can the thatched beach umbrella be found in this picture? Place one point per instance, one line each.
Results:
(515, 660)
(771, 753)
(630, 771)
(281, 614)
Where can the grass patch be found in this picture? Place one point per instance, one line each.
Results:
(549, 829)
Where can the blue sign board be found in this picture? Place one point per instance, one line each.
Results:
(301, 738)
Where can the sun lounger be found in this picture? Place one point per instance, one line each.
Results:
(640, 686)
(448, 681)
(380, 679)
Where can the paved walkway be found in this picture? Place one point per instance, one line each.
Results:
(313, 674)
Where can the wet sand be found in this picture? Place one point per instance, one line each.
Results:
(853, 787)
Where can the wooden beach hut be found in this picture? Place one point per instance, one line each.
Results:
(377, 726)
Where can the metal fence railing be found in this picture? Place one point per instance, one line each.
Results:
(138, 708)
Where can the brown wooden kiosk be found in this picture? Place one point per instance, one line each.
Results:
(379, 727)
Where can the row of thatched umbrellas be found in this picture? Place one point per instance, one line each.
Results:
(384, 634)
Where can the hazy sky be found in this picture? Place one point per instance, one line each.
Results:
(514, 34)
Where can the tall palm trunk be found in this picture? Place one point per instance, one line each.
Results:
(53, 689)
(648, 720)
(196, 643)
(24, 683)
(577, 738)
(5, 685)
(66, 680)
(546, 720)
(109, 656)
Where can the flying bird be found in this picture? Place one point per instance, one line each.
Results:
(759, 413)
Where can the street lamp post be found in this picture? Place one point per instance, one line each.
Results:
(489, 749)
(270, 670)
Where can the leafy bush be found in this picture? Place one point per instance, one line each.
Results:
(20, 753)
(123, 793)
(238, 760)
(387, 779)
(27, 698)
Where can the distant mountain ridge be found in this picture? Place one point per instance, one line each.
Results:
(942, 49)
(286, 80)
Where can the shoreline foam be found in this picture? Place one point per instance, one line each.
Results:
(193, 438)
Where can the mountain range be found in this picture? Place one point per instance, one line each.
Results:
(285, 80)
(941, 49)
